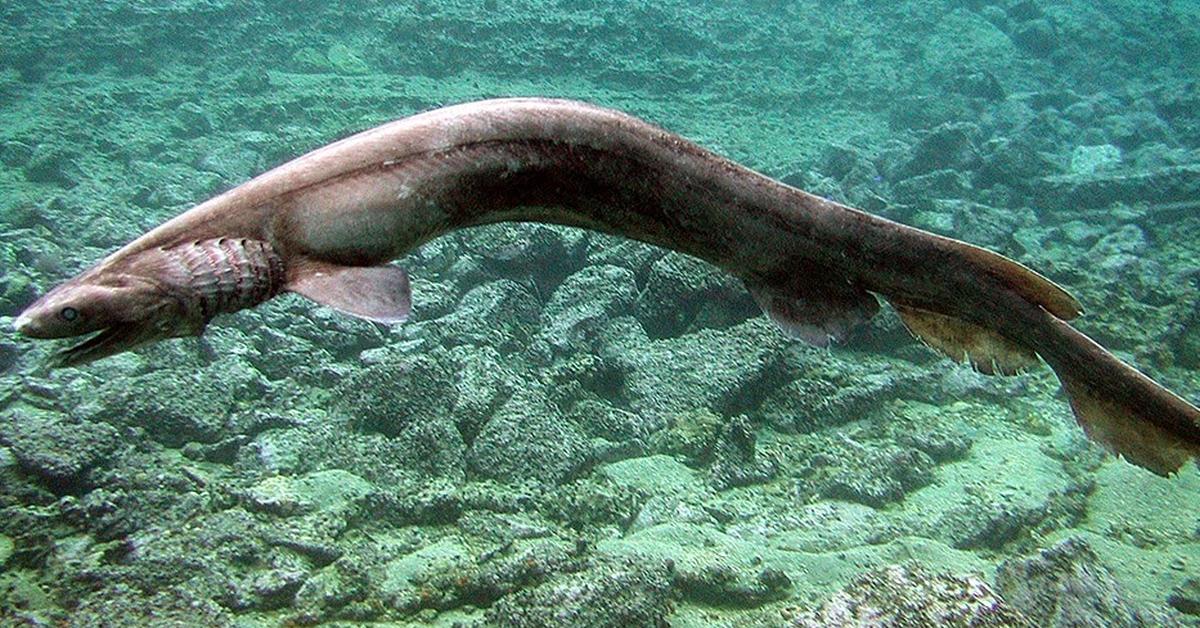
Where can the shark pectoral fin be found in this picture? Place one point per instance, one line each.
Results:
(985, 350)
(808, 306)
(374, 293)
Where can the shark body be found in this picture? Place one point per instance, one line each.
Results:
(327, 224)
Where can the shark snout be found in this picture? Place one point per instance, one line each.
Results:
(22, 324)
(32, 323)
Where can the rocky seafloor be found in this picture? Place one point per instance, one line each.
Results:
(575, 429)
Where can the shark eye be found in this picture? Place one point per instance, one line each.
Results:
(68, 314)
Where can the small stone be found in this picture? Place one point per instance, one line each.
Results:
(1185, 598)
(1036, 37)
(322, 490)
(51, 165)
(1087, 160)
(192, 120)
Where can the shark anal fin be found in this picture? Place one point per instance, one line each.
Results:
(814, 308)
(375, 293)
(985, 350)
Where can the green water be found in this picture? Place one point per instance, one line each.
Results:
(575, 429)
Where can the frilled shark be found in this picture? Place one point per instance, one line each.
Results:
(328, 224)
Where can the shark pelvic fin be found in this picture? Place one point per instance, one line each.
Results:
(814, 308)
(375, 293)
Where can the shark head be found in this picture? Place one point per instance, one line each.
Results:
(116, 311)
(152, 295)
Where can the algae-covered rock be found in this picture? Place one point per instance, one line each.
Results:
(612, 594)
(343, 337)
(403, 578)
(1067, 585)
(727, 371)
(176, 406)
(638, 257)
(277, 451)
(908, 595)
(676, 492)
(323, 490)
(585, 377)
(826, 391)
(530, 252)
(501, 314)
(583, 302)
(345, 60)
(215, 558)
(192, 120)
(593, 502)
(990, 521)
(949, 146)
(1102, 189)
(448, 574)
(528, 439)
(936, 184)
(723, 585)
(1087, 160)
(1011, 160)
(483, 382)
(1038, 37)
(51, 164)
(737, 461)
(691, 435)
(678, 288)
(651, 474)
(330, 589)
(873, 476)
(1185, 598)
(397, 391)
(670, 508)
(1129, 129)
(430, 449)
(55, 447)
(603, 420)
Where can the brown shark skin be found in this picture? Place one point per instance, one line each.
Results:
(375, 196)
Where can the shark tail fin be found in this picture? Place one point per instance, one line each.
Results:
(1116, 405)
(1126, 411)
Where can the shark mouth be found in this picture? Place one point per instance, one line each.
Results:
(102, 344)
